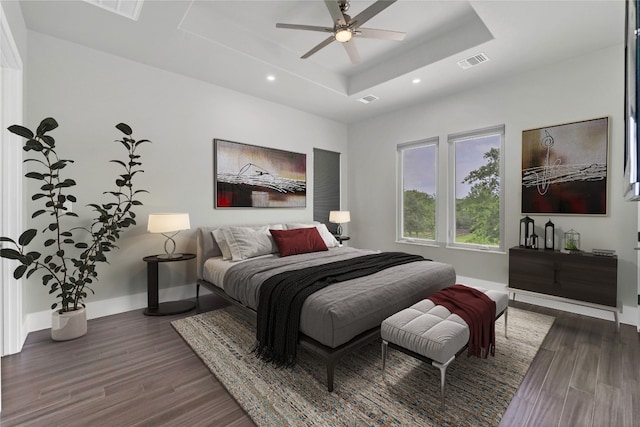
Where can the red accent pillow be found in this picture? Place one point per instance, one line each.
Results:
(298, 241)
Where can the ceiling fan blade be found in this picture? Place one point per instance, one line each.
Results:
(370, 33)
(336, 13)
(352, 51)
(318, 47)
(305, 27)
(370, 12)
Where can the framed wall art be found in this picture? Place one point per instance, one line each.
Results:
(565, 168)
(249, 176)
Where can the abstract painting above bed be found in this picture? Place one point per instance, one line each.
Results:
(249, 176)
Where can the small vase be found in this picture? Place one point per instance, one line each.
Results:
(68, 325)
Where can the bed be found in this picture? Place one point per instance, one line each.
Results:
(334, 321)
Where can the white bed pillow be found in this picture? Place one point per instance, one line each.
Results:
(218, 236)
(249, 242)
(329, 239)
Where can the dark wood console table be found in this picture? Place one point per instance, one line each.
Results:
(584, 279)
(155, 308)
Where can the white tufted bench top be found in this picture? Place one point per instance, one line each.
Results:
(431, 330)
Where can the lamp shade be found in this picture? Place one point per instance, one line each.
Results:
(168, 222)
(339, 217)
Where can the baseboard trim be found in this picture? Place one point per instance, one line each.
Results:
(95, 309)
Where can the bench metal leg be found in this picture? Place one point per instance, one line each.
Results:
(506, 317)
(443, 376)
(385, 349)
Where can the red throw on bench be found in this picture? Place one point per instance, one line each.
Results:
(477, 310)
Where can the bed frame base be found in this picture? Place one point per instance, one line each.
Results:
(328, 355)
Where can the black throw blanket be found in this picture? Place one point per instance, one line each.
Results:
(282, 296)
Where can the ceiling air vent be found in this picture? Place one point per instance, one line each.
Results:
(367, 99)
(472, 61)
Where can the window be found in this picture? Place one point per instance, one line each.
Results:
(417, 190)
(476, 169)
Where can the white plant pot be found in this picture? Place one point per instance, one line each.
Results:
(68, 325)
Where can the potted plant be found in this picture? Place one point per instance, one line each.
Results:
(71, 251)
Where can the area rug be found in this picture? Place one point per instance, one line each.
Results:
(478, 390)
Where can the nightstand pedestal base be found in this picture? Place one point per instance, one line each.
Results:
(169, 308)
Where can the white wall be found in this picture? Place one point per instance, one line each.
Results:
(89, 92)
(579, 88)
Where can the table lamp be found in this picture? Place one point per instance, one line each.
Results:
(168, 224)
(339, 217)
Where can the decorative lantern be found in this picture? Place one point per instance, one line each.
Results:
(572, 240)
(526, 230)
(533, 241)
(549, 235)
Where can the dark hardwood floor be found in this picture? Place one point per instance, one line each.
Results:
(132, 369)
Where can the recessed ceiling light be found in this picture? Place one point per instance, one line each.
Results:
(271, 78)
(415, 81)
(367, 99)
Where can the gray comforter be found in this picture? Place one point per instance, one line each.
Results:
(336, 314)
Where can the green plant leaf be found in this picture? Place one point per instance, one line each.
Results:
(38, 196)
(38, 213)
(49, 242)
(81, 245)
(26, 237)
(32, 144)
(48, 140)
(10, 253)
(33, 270)
(34, 175)
(21, 131)
(124, 128)
(46, 125)
(7, 239)
(58, 165)
(19, 272)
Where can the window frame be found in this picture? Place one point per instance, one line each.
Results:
(400, 148)
(452, 139)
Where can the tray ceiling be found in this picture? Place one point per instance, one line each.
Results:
(235, 44)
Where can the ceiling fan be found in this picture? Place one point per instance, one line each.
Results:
(345, 27)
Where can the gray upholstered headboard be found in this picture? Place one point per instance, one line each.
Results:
(206, 247)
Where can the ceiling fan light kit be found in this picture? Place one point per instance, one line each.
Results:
(345, 27)
(343, 35)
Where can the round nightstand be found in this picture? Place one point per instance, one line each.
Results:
(155, 308)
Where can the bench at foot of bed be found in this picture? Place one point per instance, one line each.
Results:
(432, 334)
